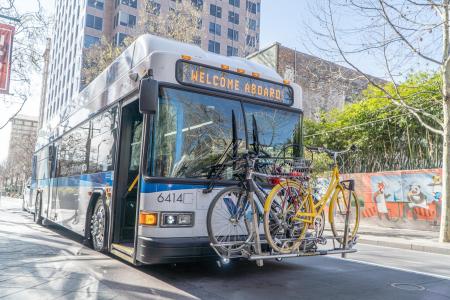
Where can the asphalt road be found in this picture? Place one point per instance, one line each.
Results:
(49, 263)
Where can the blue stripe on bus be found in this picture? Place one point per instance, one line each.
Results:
(106, 179)
(95, 179)
(163, 187)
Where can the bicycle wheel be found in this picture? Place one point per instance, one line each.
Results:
(338, 211)
(228, 220)
(284, 227)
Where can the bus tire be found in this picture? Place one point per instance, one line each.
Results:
(38, 209)
(98, 226)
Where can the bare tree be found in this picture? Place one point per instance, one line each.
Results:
(31, 30)
(98, 57)
(17, 168)
(182, 23)
(399, 35)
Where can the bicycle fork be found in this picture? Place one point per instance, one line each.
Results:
(350, 188)
(255, 219)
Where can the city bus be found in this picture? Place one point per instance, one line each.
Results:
(127, 165)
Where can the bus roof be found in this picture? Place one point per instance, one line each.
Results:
(115, 82)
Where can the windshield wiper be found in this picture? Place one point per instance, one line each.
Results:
(255, 135)
(234, 140)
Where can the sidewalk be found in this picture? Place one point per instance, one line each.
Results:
(39, 262)
(420, 240)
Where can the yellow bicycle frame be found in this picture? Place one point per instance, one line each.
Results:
(319, 206)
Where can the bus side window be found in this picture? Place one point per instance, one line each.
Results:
(33, 168)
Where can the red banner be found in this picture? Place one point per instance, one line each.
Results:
(6, 41)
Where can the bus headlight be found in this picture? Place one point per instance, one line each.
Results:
(177, 219)
(184, 219)
(170, 220)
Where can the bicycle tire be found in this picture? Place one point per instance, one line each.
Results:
(339, 195)
(243, 238)
(291, 238)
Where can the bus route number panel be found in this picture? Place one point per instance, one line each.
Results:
(193, 74)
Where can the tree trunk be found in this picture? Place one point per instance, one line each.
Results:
(444, 235)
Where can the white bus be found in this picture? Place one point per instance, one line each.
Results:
(126, 166)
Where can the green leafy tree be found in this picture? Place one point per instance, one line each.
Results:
(388, 138)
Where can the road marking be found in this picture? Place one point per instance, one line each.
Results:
(391, 267)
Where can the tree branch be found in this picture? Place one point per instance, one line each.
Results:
(371, 81)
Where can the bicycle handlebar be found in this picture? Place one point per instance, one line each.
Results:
(352, 148)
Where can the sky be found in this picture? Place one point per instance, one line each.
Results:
(287, 21)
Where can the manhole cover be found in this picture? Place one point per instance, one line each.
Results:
(408, 286)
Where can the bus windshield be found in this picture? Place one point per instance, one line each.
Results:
(193, 130)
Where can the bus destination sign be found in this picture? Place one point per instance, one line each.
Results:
(226, 81)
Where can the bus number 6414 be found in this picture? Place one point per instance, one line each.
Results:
(170, 197)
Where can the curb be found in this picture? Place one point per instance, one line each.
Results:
(403, 245)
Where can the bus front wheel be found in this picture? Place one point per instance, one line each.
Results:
(99, 226)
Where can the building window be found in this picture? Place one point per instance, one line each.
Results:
(214, 28)
(215, 10)
(130, 3)
(251, 41)
(154, 8)
(198, 4)
(235, 2)
(233, 17)
(251, 7)
(197, 41)
(98, 4)
(90, 40)
(232, 51)
(251, 24)
(233, 34)
(119, 38)
(94, 22)
(127, 19)
(214, 47)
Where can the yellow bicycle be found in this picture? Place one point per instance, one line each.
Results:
(299, 209)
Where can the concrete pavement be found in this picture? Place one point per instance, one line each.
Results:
(420, 240)
(40, 263)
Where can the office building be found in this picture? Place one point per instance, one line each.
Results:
(20, 152)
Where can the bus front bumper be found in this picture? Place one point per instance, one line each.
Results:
(172, 250)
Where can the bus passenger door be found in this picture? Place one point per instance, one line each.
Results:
(53, 182)
(127, 176)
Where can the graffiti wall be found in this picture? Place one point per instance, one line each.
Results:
(408, 199)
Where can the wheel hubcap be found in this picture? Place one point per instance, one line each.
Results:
(98, 225)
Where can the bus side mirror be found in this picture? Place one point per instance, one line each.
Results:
(148, 96)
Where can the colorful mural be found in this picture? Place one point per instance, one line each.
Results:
(409, 197)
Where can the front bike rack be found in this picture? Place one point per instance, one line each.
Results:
(304, 251)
